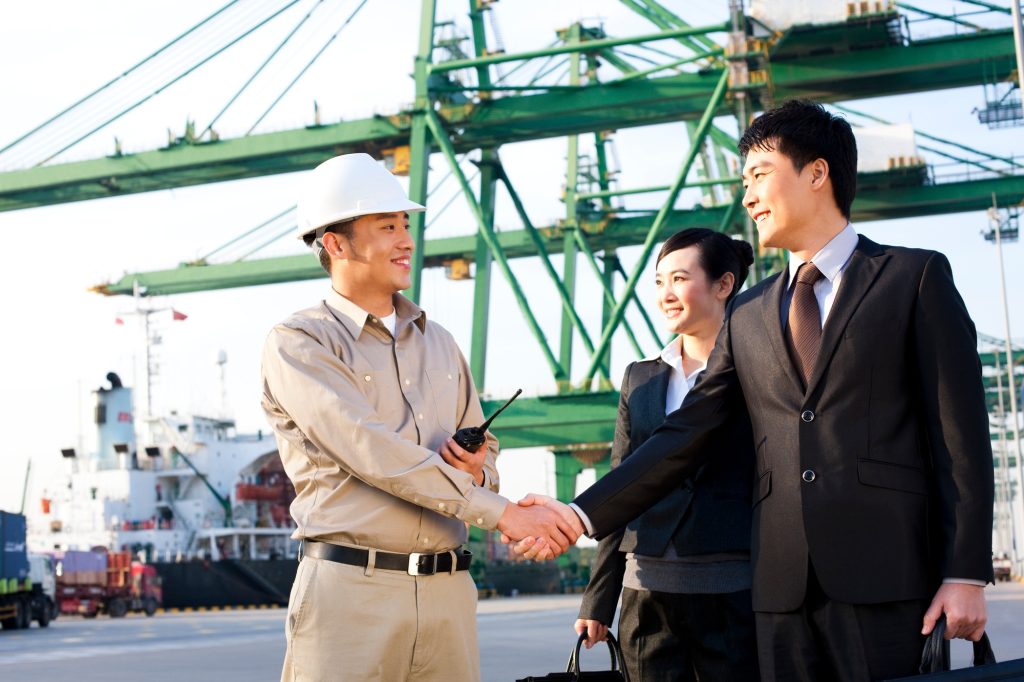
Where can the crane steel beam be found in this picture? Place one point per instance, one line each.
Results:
(880, 202)
(560, 420)
(565, 419)
(952, 61)
(572, 418)
(925, 65)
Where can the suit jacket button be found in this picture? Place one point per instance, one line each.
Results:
(807, 416)
(808, 476)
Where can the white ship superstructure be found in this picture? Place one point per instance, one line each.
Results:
(170, 488)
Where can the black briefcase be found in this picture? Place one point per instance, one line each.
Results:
(572, 670)
(935, 662)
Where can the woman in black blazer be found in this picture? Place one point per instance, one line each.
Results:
(683, 567)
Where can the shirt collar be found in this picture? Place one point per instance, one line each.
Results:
(832, 258)
(355, 318)
(672, 355)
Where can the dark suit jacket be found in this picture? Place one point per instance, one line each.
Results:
(706, 514)
(892, 424)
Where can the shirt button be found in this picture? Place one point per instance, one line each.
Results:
(480, 521)
(440, 505)
(367, 377)
(449, 376)
(807, 416)
(407, 382)
(426, 541)
(421, 417)
(809, 476)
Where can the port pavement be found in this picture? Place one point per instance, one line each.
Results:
(518, 637)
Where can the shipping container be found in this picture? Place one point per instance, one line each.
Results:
(13, 557)
(16, 597)
(82, 567)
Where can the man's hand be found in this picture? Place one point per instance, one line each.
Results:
(531, 547)
(964, 606)
(542, 524)
(596, 631)
(464, 460)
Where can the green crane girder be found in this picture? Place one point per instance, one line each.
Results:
(561, 420)
(558, 420)
(878, 201)
(574, 418)
(948, 62)
(953, 61)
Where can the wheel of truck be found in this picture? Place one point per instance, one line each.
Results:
(24, 614)
(44, 614)
(54, 609)
(149, 606)
(117, 608)
(10, 623)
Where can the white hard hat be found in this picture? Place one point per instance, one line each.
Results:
(349, 186)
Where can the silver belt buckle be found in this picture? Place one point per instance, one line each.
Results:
(416, 569)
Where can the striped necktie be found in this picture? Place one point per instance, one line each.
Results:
(804, 329)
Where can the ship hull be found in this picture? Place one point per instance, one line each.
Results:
(268, 582)
(226, 583)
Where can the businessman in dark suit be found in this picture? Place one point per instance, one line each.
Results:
(858, 365)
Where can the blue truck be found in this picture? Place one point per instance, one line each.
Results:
(22, 600)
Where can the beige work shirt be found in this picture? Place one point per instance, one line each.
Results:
(359, 417)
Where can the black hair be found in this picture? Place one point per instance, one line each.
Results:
(719, 254)
(343, 228)
(804, 131)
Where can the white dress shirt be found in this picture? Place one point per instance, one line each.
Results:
(831, 262)
(679, 382)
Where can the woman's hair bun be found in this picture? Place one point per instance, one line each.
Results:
(745, 251)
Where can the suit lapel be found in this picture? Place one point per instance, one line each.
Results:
(655, 390)
(860, 273)
(771, 309)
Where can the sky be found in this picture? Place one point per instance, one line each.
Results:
(62, 340)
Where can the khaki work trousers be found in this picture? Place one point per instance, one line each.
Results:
(345, 625)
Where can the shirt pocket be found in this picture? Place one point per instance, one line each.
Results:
(444, 389)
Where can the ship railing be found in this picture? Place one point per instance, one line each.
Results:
(180, 443)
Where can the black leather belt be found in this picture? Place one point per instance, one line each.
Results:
(413, 564)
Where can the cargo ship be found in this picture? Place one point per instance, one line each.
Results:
(206, 506)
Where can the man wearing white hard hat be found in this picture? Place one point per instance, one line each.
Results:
(364, 394)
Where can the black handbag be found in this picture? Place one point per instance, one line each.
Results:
(574, 674)
(935, 661)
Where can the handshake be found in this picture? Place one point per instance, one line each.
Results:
(541, 526)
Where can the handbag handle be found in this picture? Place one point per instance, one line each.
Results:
(618, 663)
(935, 657)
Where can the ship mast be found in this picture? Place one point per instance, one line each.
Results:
(150, 338)
(222, 362)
